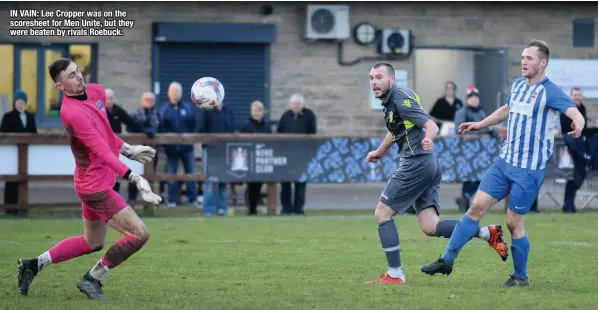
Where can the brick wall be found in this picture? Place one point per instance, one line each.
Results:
(339, 95)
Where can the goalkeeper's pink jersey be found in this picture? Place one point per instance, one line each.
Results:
(93, 143)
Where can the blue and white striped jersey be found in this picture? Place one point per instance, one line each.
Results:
(532, 118)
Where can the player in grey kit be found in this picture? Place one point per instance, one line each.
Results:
(417, 180)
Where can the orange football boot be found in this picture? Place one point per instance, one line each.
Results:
(385, 278)
(497, 241)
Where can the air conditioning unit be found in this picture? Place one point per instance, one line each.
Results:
(395, 41)
(327, 22)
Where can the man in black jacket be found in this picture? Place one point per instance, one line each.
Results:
(297, 120)
(258, 124)
(579, 162)
(117, 116)
(148, 119)
(16, 121)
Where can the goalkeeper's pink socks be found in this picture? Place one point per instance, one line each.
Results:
(73, 247)
(66, 249)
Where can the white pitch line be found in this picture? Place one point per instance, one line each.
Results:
(575, 243)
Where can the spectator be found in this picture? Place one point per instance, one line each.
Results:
(445, 107)
(179, 116)
(297, 120)
(16, 121)
(148, 120)
(256, 124)
(117, 116)
(215, 195)
(579, 162)
(471, 112)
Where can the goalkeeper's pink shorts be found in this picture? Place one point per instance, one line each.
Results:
(101, 206)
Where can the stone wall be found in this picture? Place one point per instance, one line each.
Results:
(339, 95)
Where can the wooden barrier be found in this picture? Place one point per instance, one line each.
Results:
(23, 140)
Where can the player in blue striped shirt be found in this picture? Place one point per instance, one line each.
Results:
(531, 111)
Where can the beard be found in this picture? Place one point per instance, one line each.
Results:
(383, 91)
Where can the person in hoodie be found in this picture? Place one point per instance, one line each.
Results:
(256, 124)
(472, 111)
(218, 120)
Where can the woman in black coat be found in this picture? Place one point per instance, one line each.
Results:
(16, 121)
(256, 124)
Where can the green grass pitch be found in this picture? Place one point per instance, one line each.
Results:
(316, 262)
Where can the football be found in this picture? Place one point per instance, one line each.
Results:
(207, 93)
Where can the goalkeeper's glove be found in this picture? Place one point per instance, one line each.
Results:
(140, 153)
(143, 187)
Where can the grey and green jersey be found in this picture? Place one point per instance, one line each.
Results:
(405, 120)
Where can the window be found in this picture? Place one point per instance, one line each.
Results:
(28, 77)
(25, 67)
(81, 54)
(7, 71)
(51, 99)
(583, 33)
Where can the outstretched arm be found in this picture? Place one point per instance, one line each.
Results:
(557, 100)
(499, 116)
(140, 153)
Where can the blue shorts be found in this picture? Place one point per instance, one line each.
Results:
(523, 185)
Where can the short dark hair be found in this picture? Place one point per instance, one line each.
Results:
(57, 67)
(542, 47)
(389, 67)
(575, 89)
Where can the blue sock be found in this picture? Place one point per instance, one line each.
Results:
(464, 231)
(520, 250)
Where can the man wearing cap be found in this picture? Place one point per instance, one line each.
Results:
(20, 121)
(472, 111)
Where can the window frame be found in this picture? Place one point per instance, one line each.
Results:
(583, 33)
(43, 120)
